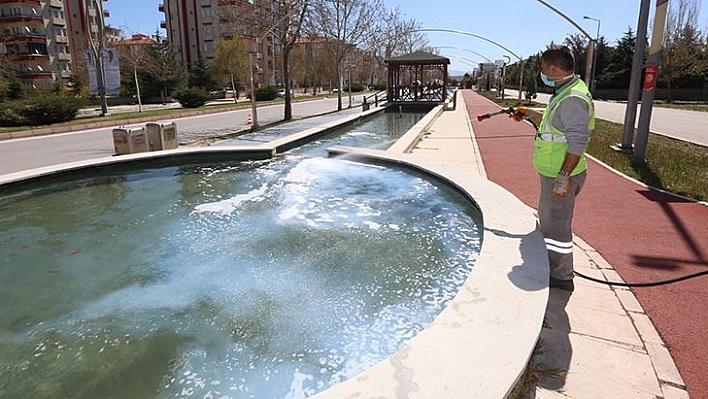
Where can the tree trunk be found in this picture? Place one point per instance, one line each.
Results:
(288, 114)
(339, 89)
(233, 88)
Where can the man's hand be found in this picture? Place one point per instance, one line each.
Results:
(520, 113)
(561, 186)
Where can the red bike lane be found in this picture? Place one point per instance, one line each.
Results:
(646, 235)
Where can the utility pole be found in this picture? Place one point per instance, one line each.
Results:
(630, 114)
(650, 76)
(503, 86)
(594, 53)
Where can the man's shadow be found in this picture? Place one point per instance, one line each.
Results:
(555, 352)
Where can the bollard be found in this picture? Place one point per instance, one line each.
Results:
(161, 136)
(129, 140)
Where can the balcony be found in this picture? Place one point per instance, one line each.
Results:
(30, 37)
(61, 39)
(34, 75)
(163, 24)
(29, 57)
(106, 13)
(21, 17)
(161, 8)
(30, 2)
(64, 57)
(56, 3)
(58, 21)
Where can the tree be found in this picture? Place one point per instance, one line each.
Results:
(231, 60)
(682, 59)
(200, 76)
(312, 60)
(393, 36)
(291, 15)
(578, 45)
(164, 70)
(134, 60)
(347, 23)
(618, 68)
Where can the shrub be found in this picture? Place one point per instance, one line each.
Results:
(380, 86)
(192, 97)
(266, 93)
(356, 87)
(10, 117)
(41, 109)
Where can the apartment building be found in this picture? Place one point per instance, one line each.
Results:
(193, 26)
(42, 41)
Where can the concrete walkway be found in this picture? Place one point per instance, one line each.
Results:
(598, 338)
(601, 336)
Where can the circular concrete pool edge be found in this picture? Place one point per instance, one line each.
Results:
(481, 342)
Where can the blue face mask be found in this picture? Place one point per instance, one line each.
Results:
(548, 82)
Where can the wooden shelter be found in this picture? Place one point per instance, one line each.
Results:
(418, 76)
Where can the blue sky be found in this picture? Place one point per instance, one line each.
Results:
(523, 26)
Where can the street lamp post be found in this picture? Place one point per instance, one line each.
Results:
(467, 50)
(591, 41)
(254, 110)
(521, 60)
(594, 53)
(508, 60)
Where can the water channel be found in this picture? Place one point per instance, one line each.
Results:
(264, 279)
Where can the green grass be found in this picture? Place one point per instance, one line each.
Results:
(120, 116)
(688, 107)
(672, 165)
(172, 112)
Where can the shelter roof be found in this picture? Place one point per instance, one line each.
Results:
(419, 57)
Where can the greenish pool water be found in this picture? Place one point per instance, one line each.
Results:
(273, 279)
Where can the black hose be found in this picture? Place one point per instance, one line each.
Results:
(646, 284)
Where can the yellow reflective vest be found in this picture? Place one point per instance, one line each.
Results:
(551, 144)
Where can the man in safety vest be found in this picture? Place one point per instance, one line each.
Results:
(559, 157)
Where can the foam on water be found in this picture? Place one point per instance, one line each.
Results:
(270, 279)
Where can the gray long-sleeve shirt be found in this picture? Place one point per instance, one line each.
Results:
(573, 118)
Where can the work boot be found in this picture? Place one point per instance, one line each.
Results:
(565, 285)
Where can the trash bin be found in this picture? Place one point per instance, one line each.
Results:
(161, 136)
(129, 140)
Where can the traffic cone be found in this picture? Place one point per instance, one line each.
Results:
(250, 121)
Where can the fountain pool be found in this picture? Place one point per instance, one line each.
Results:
(275, 278)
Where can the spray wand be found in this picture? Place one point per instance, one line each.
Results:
(508, 111)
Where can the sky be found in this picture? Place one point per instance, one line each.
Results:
(513, 28)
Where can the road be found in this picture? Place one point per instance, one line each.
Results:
(680, 124)
(29, 153)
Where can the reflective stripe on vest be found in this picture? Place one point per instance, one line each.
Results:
(552, 137)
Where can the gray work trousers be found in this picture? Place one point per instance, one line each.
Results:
(555, 216)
